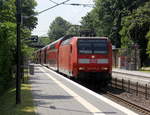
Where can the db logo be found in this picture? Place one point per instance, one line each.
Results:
(93, 60)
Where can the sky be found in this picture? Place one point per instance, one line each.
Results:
(70, 13)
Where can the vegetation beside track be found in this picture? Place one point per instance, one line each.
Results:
(8, 38)
(8, 101)
(145, 69)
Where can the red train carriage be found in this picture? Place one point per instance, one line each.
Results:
(52, 53)
(42, 55)
(86, 56)
(38, 56)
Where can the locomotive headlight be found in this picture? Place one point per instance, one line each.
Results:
(92, 56)
(81, 68)
(105, 68)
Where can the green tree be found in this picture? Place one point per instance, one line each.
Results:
(106, 18)
(28, 14)
(7, 48)
(74, 30)
(58, 28)
(44, 41)
(8, 35)
(88, 27)
(135, 27)
(7, 11)
(148, 45)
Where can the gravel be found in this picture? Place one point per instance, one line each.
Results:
(132, 97)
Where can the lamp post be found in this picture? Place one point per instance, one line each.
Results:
(18, 51)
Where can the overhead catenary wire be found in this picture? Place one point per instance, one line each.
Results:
(53, 6)
(74, 4)
(53, 1)
(64, 3)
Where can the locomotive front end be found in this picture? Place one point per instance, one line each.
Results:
(94, 57)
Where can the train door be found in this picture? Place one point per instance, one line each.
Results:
(70, 59)
(45, 55)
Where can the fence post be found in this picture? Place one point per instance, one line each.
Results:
(137, 88)
(129, 86)
(115, 82)
(122, 83)
(146, 93)
(111, 82)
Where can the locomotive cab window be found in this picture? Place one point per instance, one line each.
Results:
(92, 46)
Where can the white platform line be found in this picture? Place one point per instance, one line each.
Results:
(102, 98)
(81, 100)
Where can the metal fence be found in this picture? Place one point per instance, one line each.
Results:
(127, 58)
(131, 87)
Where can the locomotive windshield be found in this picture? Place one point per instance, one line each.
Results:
(92, 46)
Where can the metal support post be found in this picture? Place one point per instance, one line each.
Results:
(18, 74)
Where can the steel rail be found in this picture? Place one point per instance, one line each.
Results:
(130, 104)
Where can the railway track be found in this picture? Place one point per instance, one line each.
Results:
(131, 105)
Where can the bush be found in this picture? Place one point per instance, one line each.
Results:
(7, 51)
(148, 45)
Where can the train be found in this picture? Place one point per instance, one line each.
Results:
(79, 57)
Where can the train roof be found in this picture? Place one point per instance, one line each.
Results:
(92, 37)
(69, 37)
(61, 39)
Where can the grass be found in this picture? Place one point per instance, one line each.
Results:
(8, 102)
(145, 69)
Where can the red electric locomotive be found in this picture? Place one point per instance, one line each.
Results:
(86, 56)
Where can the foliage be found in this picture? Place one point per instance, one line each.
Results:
(88, 27)
(7, 11)
(106, 18)
(58, 28)
(29, 20)
(7, 47)
(74, 30)
(8, 35)
(148, 45)
(44, 41)
(27, 51)
(135, 27)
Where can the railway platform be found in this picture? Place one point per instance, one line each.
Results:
(131, 72)
(134, 76)
(53, 94)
